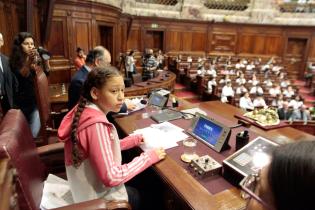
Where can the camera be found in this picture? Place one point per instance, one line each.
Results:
(43, 53)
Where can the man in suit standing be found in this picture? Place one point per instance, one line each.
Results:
(7, 80)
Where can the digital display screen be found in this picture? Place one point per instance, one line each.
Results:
(157, 100)
(207, 130)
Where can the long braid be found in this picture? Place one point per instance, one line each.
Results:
(77, 152)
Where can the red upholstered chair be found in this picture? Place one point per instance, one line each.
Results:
(17, 144)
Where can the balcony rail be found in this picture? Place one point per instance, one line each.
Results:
(163, 2)
(238, 5)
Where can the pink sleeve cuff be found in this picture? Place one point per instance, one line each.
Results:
(153, 156)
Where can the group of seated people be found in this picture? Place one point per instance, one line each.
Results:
(250, 81)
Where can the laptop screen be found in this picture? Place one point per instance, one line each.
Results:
(157, 100)
(207, 131)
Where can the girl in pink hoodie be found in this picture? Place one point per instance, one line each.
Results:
(92, 147)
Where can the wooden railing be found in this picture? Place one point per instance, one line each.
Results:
(308, 127)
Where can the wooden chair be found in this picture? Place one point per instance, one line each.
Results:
(17, 144)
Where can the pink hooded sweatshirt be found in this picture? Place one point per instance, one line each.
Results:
(101, 174)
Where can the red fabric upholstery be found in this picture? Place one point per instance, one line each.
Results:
(17, 143)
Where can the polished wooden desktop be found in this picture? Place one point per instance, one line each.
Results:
(185, 185)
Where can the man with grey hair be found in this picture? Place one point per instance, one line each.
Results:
(7, 80)
(98, 57)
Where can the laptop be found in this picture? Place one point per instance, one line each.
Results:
(166, 115)
(157, 100)
(213, 133)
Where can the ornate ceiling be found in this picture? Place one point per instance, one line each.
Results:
(278, 12)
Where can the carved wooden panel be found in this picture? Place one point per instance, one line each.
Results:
(133, 41)
(173, 40)
(187, 41)
(258, 45)
(58, 38)
(82, 34)
(274, 45)
(311, 55)
(223, 42)
(198, 41)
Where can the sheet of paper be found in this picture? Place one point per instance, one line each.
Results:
(194, 111)
(165, 135)
(56, 193)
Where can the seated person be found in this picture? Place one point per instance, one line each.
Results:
(268, 82)
(275, 90)
(259, 101)
(254, 81)
(225, 80)
(285, 112)
(92, 147)
(281, 76)
(278, 102)
(212, 72)
(289, 92)
(246, 103)
(250, 66)
(284, 182)
(241, 80)
(201, 70)
(189, 59)
(227, 92)
(241, 90)
(256, 90)
(179, 58)
(211, 84)
(276, 69)
(285, 83)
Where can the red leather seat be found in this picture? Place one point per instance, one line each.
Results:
(16, 143)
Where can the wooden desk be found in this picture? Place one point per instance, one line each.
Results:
(165, 80)
(186, 186)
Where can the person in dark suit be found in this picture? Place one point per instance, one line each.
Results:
(7, 81)
(285, 112)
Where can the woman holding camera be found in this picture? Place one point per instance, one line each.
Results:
(24, 61)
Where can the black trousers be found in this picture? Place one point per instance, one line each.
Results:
(4, 104)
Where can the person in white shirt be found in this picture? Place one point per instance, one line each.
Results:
(256, 90)
(281, 76)
(276, 90)
(276, 69)
(278, 102)
(212, 72)
(225, 80)
(254, 81)
(202, 71)
(250, 66)
(241, 90)
(259, 101)
(130, 64)
(289, 92)
(285, 83)
(211, 84)
(268, 83)
(189, 59)
(241, 80)
(246, 103)
(227, 92)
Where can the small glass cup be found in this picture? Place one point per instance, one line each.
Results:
(190, 145)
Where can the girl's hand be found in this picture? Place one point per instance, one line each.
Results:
(160, 152)
(142, 141)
